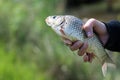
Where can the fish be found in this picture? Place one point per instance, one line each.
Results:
(70, 27)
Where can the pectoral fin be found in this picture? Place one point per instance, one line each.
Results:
(105, 67)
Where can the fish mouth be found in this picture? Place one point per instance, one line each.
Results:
(47, 21)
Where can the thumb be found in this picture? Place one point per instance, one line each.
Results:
(88, 30)
(88, 27)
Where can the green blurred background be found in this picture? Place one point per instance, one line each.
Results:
(30, 50)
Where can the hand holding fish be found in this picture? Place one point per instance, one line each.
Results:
(81, 47)
(89, 26)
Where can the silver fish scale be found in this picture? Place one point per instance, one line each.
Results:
(73, 28)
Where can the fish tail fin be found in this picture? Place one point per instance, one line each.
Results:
(105, 67)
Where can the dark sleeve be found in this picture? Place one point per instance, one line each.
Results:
(113, 43)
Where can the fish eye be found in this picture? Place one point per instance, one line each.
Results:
(54, 17)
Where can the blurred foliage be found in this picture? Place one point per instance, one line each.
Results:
(30, 50)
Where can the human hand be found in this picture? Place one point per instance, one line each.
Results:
(98, 27)
(90, 26)
(81, 47)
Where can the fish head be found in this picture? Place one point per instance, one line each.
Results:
(56, 23)
(64, 25)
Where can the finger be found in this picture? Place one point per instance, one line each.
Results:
(89, 57)
(89, 31)
(76, 45)
(92, 56)
(83, 49)
(85, 58)
(88, 27)
(67, 41)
